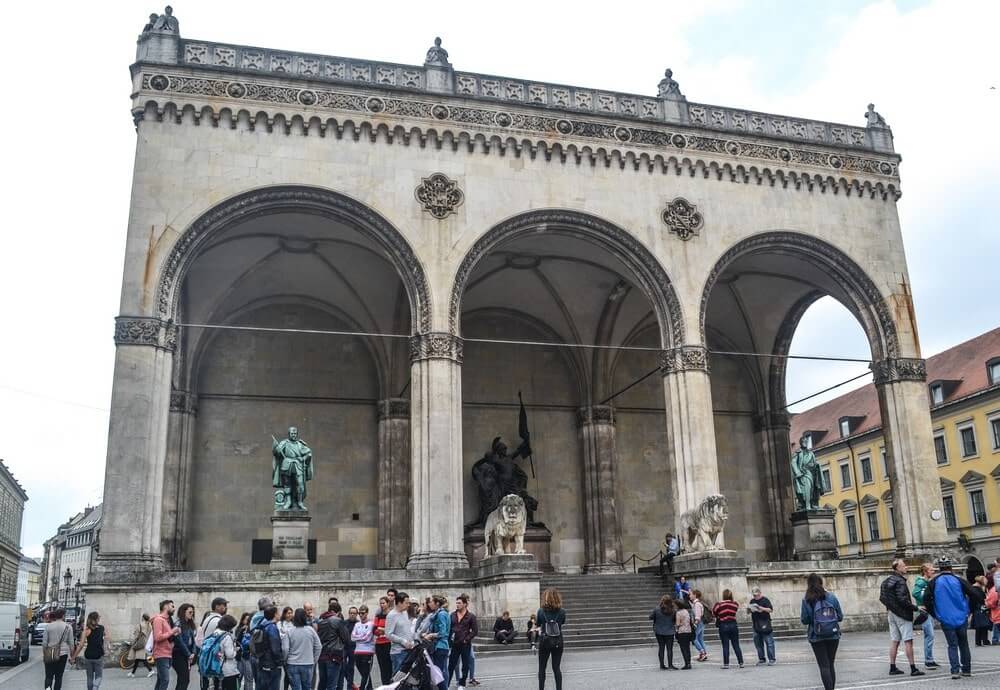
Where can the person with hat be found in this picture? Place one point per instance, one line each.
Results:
(947, 599)
(209, 624)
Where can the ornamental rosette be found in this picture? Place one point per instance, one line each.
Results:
(683, 218)
(439, 195)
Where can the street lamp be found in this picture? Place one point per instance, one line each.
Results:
(77, 588)
(67, 580)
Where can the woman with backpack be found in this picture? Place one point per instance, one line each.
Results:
(551, 618)
(821, 614)
(243, 663)
(729, 631)
(184, 646)
(698, 618)
(92, 645)
(663, 627)
(217, 658)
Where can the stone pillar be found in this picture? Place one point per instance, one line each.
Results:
(394, 475)
(602, 534)
(177, 478)
(137, 445)
(771, 430)
(906, 424)
(690, 425)
(436, 460)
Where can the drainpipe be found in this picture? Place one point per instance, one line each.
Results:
(857, 496)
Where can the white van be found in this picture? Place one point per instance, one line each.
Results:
(14, 642)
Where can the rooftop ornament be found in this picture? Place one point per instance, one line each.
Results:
(874, 119)
(436, 55)
(668, 86)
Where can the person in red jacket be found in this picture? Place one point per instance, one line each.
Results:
(163, 644)
(382, 643)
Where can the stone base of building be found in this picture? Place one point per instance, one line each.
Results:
(714, 572)
(537, 542)
(813, 535)
(499, 584)
(290, 540)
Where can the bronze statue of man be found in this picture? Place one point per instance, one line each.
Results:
(291, 468)
(807, 477)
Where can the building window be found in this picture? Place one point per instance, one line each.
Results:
(873, 525)
(993, 371)
(995, 429)
(827, 484)
(937, 394)
(940, 450)
(866, 470)
(950, 521)
(845, 428)
(978, 507)
(852, 529)
(845, 476)
(885, 463)
(968, 438)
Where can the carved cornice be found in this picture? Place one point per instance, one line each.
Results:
(394, 408)
(639, 145)
(301, 200)
(630, 251)
(436, 346)
(145, 330)
(684, 358)
(183, 401)
(595, 414)
(898, 369)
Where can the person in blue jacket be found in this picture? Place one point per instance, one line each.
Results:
(947, 599)
(821, 614)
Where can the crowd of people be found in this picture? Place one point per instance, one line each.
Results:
(430, 645)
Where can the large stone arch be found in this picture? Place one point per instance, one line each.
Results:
(645, 267)
(299, 199)
(867, 301)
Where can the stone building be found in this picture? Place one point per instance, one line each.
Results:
(29, 581)
(12, 499)
(848, 438)
(345, 244)
(73, 547)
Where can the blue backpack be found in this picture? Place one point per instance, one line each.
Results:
(825, 623)
(210, 657)
(245, 643)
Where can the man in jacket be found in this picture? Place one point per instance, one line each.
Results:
(919, 587)
(334, 637)
(270, 656)
(947, 599)
(164, 632)
(465, 629)
(895, 596)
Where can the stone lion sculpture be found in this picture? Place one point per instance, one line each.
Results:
(702, 526)
(506, 524)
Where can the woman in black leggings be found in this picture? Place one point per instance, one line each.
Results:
(551, 618)
(821, 614)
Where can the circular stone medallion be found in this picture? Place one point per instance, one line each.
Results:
(503, 119)
(236, 90)
(159, 82)
(679, 140)
(836, 162)
(564, 126)
(307, 97)
(441, 112)
(375, 105)
(784, 154)
(623, 134)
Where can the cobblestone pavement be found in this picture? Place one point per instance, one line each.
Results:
(861, 663)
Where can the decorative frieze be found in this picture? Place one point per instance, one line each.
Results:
(683, 218)
(595, 414)
(183, 401)
(684, 358)
(145, 330)
(436, 346)
(439, 195)
(898, 369)
(394, 408)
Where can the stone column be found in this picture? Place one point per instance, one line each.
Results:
(906, 424)
(771, 430)
(436, 461)
(690, 425)
(137, 445)
(394, 475)
(602, 534)
(177, 478)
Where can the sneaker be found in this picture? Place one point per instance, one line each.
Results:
(474, 682)
(761, 662)
(741, 664)
(772, 662)
(967, 674)
(893, 671)
(916, 672)
(151, 674)
(130, 674)
(955, 676)
(932, 664)
(725, 666)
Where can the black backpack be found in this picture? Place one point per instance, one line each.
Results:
(552, 636)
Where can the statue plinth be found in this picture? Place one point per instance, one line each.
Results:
(537, 543)
(714, 570)
(813, 535)
(290, 540)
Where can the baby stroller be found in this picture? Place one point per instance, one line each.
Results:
(417, 671)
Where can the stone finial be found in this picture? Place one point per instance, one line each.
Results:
(874, 119)
(436, 55)
(165, 23)
(668, 86)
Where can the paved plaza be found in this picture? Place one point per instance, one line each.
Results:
(861, 663)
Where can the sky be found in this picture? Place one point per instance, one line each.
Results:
(931, 68)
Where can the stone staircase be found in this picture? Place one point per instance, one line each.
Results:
(605, 611)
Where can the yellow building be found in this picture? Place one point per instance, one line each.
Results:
(846, 435)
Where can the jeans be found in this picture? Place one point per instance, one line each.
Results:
(364, 664)
(163, 672)
(729, 633)
(665, 642)
(505, 636)
(544, 652)
(301, 676)
(463, 653)
(246, 673)
(183, 671)
(397, 661)
(958, 648)
(95, 672)
(928, 628)
(268, 679)
(216, 682)
(826, 653)
(762, 640)
(329, 674)
(440, 659)
(472, 662)
(699, 636)
(996, 633)
(684, 642)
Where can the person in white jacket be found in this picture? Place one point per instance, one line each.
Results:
(230, 669)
